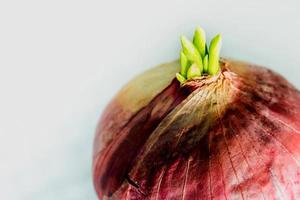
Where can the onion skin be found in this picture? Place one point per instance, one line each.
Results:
(232, 136)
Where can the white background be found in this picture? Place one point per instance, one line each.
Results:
(61, 61)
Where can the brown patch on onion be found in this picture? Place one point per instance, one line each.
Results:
(231, 136)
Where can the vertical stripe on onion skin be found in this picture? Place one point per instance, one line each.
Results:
(234, 136)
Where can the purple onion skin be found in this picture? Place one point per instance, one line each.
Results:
(232, 136)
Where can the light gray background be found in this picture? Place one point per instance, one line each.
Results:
(61, 61)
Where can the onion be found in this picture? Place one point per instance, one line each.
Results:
(231, 135)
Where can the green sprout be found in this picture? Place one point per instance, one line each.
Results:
(196, 58)
(200, 41)
(184, 63)
(191, 52)
(180, 78)
(193, 71)
(214, 55)
(205, 63)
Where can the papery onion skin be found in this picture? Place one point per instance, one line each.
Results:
(232, 136)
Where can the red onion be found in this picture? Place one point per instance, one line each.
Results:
(234, 135)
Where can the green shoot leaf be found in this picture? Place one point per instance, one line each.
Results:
(214, 55)
(189, 49)
(205, 63)
(191, 52)
(200, 41)
(184, 63)
(180, 78)
(193, 71)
